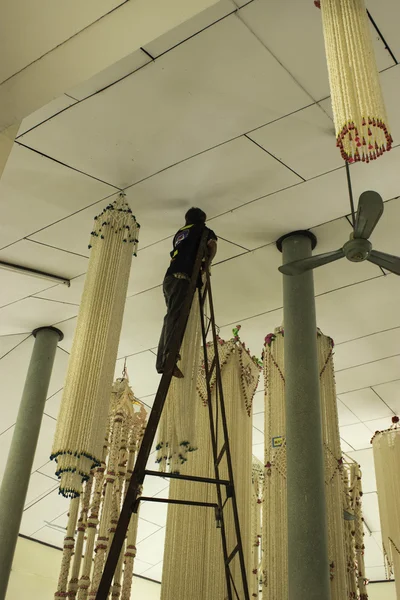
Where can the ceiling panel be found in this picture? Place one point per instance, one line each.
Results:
(346, 416)
(345, 447)
(140, 567)
(365, 459)
(359, 310)
(127, 65)
(366, 405)
(48, 469)
(258, 401)
(381, 175)
(142, 373)
(218, 180)
(31, 313)
(222, 71)
(258, 451)
(155, 512)
(52, 405)
(386, 235)
(28, 24)
(367, 349)
(46, 112)
(145, 529)
(258, 423)
(12, 387)
(377, 574)
(379, 424)
(39, 485)
(36, 191)
(276, 22)
(15, 286)
(258, 436)
(47, 509)
(370, 508)
(154, 572)
(358, 435)
(8, 342)
(390, 393)
(387, 14)
(50, 535)
(304, 141)
(300, 207)
(367, 375)
(190, 27)
(43, 258)
(45, 443)
(373, 554)
(151, 550)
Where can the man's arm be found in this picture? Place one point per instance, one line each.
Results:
(211, 252)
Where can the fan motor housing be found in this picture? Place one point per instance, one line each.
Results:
(357, 249)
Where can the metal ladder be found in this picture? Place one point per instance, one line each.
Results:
(133, 498)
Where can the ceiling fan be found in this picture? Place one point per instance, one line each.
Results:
(358, 248)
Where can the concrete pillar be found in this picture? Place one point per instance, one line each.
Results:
(23, 445)
(308, 567)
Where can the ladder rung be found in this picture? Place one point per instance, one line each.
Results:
(221, 454)
(188, 477)
(232, 554)
(172, 501)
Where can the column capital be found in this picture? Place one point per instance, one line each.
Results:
(303, 232)
(49, 328)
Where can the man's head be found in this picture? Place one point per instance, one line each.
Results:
(195, 216)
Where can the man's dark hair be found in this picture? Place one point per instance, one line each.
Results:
(195, 216)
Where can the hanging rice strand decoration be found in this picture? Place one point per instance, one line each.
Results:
(100, 503)
(256, 527)
(84, 408)
(386, 447)
(275, 565)
(177, 432)
(193, 566)
(358, 107)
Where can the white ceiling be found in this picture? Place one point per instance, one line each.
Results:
(236, 120)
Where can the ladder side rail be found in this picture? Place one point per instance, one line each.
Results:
(150, 432)
(218, 383)
(214, 448)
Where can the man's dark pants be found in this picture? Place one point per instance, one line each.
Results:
(175, 291)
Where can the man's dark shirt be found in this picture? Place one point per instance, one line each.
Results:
(185, 246)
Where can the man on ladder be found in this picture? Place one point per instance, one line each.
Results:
(177, 278)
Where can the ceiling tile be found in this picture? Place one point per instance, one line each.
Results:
(376, 574)
(365, 404)
(300, 207)
(345, 447)
(46, 112)
(127, 65)
(381, 175)
(9, 342)
(258, 423)
(45, 443)
(36, 191)
(145, 529)
(154, 572)
(365, 459)
(190, 27)
(379, 424)
(26, 253)
(16, 286)
(140, 567)
(386, 236)
(48, 508)
(358, 436)
(390, 393)
(151, 550)
(52, 405)
(346, 416)
(48, 469)
(30, 313)
(223, 70)
(51, 536)
(387, 14)
(373, 553)
(39, 485)
(367, 349)
(143, 376)
(155, 512)
(304, 141)
(155, 485)
(368, 375)
(258, 451)
(258, 436)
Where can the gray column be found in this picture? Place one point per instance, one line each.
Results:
(23, 445)
(307, 523)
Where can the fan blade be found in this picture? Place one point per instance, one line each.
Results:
(370, 209)
(387, 261)
(297, 267)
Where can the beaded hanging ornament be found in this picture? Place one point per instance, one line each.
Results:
(359, 111)
(386, 447)
(82, 418)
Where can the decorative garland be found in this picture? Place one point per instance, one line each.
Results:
(357, 101)
(275, 567)
(256, 527)
(82, 418)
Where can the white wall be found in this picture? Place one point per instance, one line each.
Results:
(35, 572)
